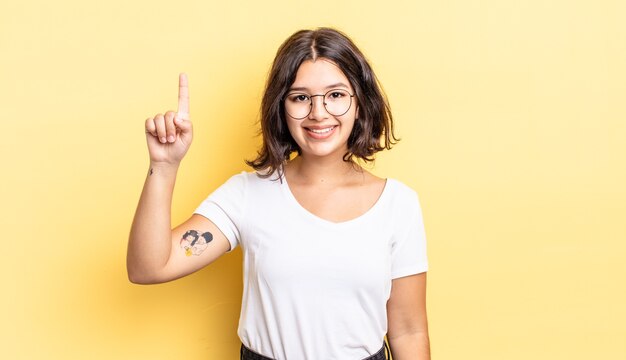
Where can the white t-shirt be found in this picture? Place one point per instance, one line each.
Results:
(315, 289)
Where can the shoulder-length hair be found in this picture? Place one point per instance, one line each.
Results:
(372, 131)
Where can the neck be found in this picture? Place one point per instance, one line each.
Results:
(317, 170)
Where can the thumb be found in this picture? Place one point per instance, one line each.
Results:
(184, 126)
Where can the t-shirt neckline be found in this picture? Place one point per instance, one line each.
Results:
(296, 204)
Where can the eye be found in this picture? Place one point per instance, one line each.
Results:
(336, 94)
(298, 97)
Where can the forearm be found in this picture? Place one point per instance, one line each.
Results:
(410, 346)
(149, 243)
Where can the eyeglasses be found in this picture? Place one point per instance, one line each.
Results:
(337, 102)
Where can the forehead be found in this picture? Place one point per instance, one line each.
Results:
(318, 75)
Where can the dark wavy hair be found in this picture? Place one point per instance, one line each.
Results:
(372, 131)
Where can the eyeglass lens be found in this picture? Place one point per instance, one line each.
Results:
(337, 102)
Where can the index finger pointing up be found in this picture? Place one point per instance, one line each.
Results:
(183, 94)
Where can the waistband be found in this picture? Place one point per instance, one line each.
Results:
(247, 354)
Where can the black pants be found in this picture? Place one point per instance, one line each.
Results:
(247, 354)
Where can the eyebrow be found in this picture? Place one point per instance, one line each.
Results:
(333, 86)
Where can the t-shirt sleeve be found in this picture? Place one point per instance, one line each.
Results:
(408, 249)
(225, 207)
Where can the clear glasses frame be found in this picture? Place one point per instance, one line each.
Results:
(310, 98)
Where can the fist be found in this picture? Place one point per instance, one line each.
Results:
(169, 135)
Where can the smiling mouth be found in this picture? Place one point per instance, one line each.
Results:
(322, 130)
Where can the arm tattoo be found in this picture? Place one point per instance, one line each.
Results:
(194, 242)
(151, 171)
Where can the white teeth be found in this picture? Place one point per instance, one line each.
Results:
(322, 131)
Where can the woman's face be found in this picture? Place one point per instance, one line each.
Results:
(321, 134)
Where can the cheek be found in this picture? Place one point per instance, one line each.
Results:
(294, 128)
(350, 127)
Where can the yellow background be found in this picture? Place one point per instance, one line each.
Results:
(514, 134)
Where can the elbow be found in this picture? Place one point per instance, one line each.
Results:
(142, 280)
(140, 277)
(136, 279)
(140, 274)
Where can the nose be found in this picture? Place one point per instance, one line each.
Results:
(318, 108)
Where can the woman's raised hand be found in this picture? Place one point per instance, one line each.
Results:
(169, 136)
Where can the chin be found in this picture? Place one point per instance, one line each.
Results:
(323, 151)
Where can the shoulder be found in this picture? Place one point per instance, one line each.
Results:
(238, 180)
(402, 196)
(251, 180)
(393, 189)
(401, 190)
(248, 176)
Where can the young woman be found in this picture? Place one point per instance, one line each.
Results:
(334, 257)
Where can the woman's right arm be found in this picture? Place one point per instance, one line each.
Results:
(157, 253)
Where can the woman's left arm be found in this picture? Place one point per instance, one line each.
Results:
(406, 316)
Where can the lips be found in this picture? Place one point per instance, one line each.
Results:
(320, 132)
